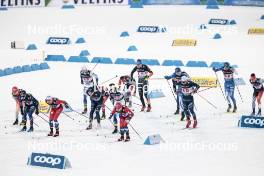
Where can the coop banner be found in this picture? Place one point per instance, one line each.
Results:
(171, 2)
(88, 2)
(22, 3)
(205, 81)
(245, 2)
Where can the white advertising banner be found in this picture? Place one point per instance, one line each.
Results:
(60, 3)
(22, 3)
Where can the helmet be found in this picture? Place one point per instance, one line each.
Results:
(118, 106)
(184, 79)
(48, 99)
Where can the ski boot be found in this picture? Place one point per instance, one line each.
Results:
(259, 112)
(253, 112)
(57, 133)
(103, 116)
(188, 122)
(84, 110)
(228, 108)
(194, 123)
(15, 122)
(143, 108)
(31, 129)
(121, 138)
(235, 109)
(177, 112)
(51, 132)
(24, 128)
(127, 138)
(90, 126)
(23, 122)
(115, 130)
(149, 108)
(182, 116)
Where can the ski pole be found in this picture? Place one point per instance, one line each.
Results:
(172, 91)
(220, 86)
(79, 113)
(109, 79)
(205, 89)
(135, 131)
(68, 116)
(206, 100)
(239, 93)
(35, 123)
(96, 65)
(43, 118)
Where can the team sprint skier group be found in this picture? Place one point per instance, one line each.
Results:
(121, 94)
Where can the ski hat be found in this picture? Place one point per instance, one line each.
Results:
(118, 106)
(226, 65)
(48, 98)
(184, 79)
(252, 76)
(84, 68)
(139, 61)
(177, 69)
(14, 89)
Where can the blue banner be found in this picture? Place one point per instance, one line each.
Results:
(48, 160)
(251, 122)
(171, 2)
(245, 2)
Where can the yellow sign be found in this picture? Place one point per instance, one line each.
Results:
(205, 81)
(44, 107)
(256, 31)
(184, 42)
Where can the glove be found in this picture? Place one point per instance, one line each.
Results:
(194, 91)
(127, 121)
(146, 77)
(167, 77)
(37, 112)
(66, 105)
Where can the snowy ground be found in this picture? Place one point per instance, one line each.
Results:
(217, 147)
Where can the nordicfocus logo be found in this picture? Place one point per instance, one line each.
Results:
(47, 160)
(148, 29)
(253, 121)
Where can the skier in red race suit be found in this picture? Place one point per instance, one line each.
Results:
(56, 109)
(125, 115)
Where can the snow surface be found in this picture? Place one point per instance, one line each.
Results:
(217, 147)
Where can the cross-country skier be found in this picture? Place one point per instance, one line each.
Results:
(129, 88)
(88, 79)
(31, 105)
(96, 97)
(17, 94)
(125, 115)
(116, 96)
(55, 111)
(188, 88)
(176, 79)
(257, 84)
(144, 73)
(228, 72)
